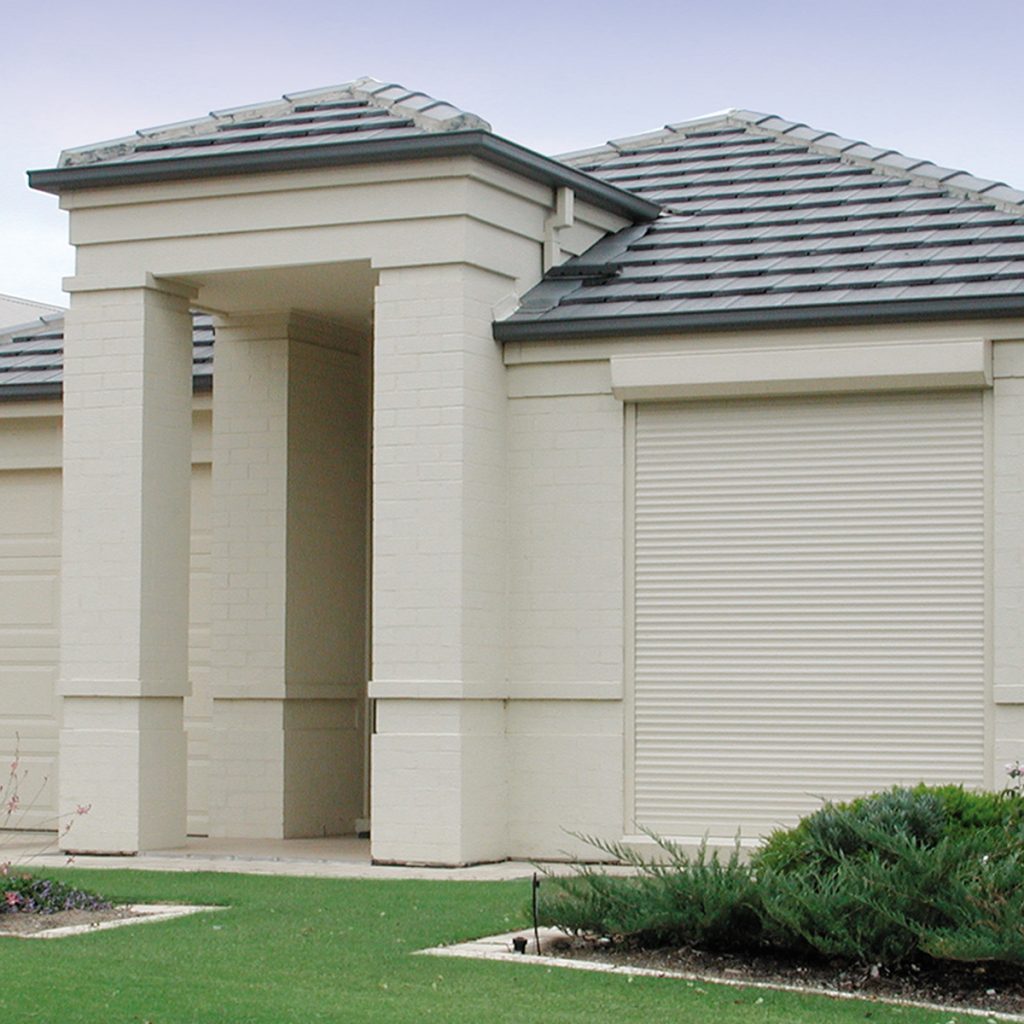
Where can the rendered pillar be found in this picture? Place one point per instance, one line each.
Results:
(125, 563)
(288, 586)
(438, 786)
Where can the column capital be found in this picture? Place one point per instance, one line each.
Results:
(129, 280)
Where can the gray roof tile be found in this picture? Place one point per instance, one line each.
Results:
(355, 111)
(763, 213)
(32, 359)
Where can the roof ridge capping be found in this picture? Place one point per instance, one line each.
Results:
(851, 151)
(432, 115)
(426, 112)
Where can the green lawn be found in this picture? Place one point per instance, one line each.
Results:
(305, 950)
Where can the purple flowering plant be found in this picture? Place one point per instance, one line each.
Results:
(21, 891)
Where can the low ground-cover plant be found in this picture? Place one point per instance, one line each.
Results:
(26, 893)
(910, 873)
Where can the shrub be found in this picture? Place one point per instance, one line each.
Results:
(872, 906)
(899, 875)
(983, 908)
(674, 901)
(926, 814)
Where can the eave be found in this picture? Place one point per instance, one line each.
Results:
(837, 315)
(475, 143)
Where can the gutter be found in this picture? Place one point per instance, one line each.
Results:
(475, 142)
(838, 315)
(31, 392)
(21, 392)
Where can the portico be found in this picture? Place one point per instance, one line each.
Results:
(358, 520)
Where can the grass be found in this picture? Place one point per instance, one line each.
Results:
(309, 950)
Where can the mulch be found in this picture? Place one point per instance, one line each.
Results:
(22, 923)
(992, 987)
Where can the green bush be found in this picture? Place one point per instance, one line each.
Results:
(873, 905)
(983, 911)
(900, 875)
(677, 900)
(927, 814)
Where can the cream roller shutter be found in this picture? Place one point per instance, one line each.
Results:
(29, 639)
(809, 602)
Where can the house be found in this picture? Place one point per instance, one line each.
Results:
(669, 485)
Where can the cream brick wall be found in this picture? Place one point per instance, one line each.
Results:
(439, 477)
(440, 782)
(124, 588)
(248, 578)
(566, 542)
(198, 704)
(30, 494)
(288, 582)
(565, 727)
(566, 772)
(440, 548)
(326, 621)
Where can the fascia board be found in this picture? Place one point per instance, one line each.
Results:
(483, 145)
(850, 314)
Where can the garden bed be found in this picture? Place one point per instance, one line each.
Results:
(63, 923)
(991, 988)
(909, 894)
(21, 923)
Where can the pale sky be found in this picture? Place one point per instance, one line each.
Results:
(936, 80)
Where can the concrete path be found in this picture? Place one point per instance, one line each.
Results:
(336, 857)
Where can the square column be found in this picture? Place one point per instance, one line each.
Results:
(125, 563)
(288, 581)
(440, 541)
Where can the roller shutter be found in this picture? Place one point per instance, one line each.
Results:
(29, 640)
(809, 604)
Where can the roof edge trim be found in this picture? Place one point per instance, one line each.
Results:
(201, 384)
(837, 315)
(472, 142)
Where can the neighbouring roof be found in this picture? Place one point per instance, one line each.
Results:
(32, 357)
(15, 310)
(358, 122)
(768, 222)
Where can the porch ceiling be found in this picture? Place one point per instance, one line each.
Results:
(342, 292)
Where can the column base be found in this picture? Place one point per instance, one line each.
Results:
(284, 768)
(439, 784)
(122, 774)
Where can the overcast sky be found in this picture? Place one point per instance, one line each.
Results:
(933, 79)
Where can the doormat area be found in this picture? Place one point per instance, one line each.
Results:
(555, 943)
(83, 922)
